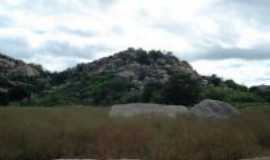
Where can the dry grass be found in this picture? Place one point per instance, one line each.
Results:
(75, 132)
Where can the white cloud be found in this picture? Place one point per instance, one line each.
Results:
(242, 71)
(192, 29)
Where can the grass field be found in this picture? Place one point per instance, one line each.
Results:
(86, 132)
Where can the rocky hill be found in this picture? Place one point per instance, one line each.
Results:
(13, 67)
(128, 76)
(18, 79)
(137, 66)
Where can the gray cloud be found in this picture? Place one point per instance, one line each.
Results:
(64, 49)
(66, 55)
(219, 53)
(51, 52)
(253, 11)
(77, 32)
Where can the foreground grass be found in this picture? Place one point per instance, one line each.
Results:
(79, 132)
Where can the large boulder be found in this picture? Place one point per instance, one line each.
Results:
(213, 109)
(136, 109)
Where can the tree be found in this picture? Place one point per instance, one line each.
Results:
(181, 89)
(215, 80)
(234, 85)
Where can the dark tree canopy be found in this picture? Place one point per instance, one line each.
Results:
(182, 89)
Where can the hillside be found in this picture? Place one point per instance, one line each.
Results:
(128, 76)
(133, 75)
(18, 80)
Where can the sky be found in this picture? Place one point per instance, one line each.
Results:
(230, 38)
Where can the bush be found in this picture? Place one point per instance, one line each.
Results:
(215, 80)
(108, 90)
(230, 95)
(231, 84)
(181, 89)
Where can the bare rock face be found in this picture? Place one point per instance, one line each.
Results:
(214, 109)
(139, 65)
(136, 109)
(10, 66)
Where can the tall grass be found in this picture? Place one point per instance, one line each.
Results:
(47, 133)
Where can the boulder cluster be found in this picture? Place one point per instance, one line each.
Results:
(137, 66)
(207, 108)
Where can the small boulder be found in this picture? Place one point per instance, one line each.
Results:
(136, 109)
(214, 109)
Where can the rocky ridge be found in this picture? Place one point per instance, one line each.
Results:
(10, 66)
(119, 78)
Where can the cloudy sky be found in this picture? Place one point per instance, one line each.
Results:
(230, 38)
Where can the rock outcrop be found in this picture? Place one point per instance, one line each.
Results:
(18, 79)
(120, 78)
(137, 109)
(10, 66)
(138, 66)
(213, 109)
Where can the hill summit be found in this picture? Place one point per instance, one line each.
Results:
(133, 75)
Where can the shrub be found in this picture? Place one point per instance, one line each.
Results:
(215, 80)
(108, 89)
(181, 89)
(231, 84)
(230, 95)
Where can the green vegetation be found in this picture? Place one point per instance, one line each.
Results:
(230, 91)
(20, 88)
(181, 89)
(227, 94)
(100, 89)
(107, 89)
(134, 75)
(88, 132)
